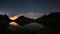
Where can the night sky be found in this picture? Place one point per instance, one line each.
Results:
(32, 8)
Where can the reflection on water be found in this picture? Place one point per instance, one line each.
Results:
(13, 23)
(13, 18)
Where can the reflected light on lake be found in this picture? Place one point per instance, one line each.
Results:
(13, 23)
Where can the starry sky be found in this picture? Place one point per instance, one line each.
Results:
(32, 8)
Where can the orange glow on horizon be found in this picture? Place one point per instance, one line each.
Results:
(14, 17)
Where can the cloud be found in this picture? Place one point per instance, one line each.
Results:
(31, 15)
(3, 12)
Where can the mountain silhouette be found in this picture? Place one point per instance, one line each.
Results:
(51, 22)
(48, 19)
(4, 22)
(22, 20)
(41, 20)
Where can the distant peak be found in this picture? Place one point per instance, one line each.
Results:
(22, 16)
(54, 13)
